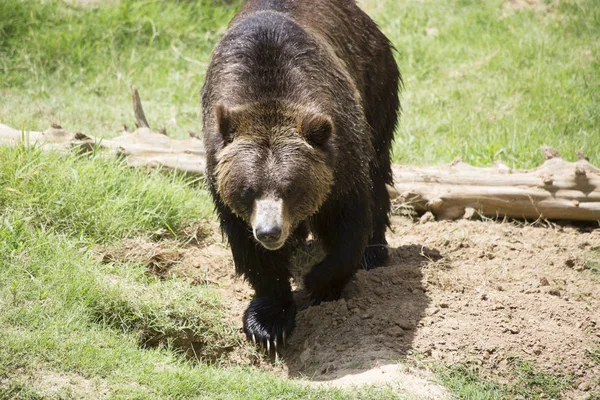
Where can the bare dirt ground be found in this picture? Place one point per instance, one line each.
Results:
(482, 292)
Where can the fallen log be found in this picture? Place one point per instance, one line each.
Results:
(557, 190)
(142, 147)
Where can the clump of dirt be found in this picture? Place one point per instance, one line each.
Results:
(196, 248)
(158, 259)
(464, 291)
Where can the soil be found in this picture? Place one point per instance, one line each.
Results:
(482, 292)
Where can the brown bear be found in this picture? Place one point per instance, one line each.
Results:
(299, 107)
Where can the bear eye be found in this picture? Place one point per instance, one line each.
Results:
(247, 194)
(292, 191)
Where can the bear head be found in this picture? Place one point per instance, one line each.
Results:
(274, 165)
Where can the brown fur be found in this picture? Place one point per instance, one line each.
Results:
(300, 104)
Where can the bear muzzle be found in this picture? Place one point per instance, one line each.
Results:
(269, 224)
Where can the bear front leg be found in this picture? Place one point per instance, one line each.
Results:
(345, 237)
(270, 316)
(376, 253)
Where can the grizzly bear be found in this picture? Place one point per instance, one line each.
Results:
(299, 107)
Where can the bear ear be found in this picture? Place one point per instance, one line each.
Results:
(227, 122)
(316, 129)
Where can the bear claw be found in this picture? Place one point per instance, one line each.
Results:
(267, 321)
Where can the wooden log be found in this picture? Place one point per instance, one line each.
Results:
(557, 190)
(142, 147)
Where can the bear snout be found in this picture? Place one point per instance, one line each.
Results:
(268, 223)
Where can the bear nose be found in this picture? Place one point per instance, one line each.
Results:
(268, 234)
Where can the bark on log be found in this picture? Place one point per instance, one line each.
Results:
(557, 190)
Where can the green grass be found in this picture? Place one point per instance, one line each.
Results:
(74, 65)
(592, 261)
(532, 383)
(491, 84)
(525, 382)
(595, 356)
(465, 382)
(96, 198)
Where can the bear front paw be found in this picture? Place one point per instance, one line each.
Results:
(268, 321)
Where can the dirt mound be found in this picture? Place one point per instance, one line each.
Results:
(466, 291)
(462, 291)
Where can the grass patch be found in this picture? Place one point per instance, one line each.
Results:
(595, 356)
(170, 314)
(466, 381)
(96, 198)
(532, 383)
(74, 64)
(481, 83)
(592, 262)
(490, 85)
